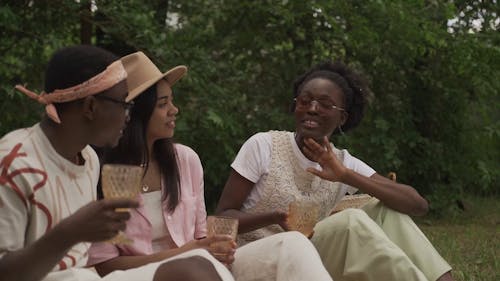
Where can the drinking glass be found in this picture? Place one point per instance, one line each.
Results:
(302, 216)
(222, 225)
(121, 181)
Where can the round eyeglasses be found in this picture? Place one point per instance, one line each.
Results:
(323, 104)
(126, 105)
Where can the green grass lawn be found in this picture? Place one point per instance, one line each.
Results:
(469, 240)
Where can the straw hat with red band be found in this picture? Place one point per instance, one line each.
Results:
(143, 73)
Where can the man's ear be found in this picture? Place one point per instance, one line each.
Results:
(89, 107)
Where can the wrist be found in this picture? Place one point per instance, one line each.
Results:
(61, 234)
(345, 175)
(191, 245)
(278, 217)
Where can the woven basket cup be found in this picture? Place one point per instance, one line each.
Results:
(221, 225)
(121, 181)
(351, 201)
(303, 216)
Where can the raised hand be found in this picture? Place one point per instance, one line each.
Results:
(97, 221)
(332, 168)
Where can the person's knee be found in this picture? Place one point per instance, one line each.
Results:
(195, 268)
(293, 237)
(297, 244)
(391, 214)
(356, 215)
(347, 219)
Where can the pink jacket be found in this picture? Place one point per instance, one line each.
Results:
(186, 223)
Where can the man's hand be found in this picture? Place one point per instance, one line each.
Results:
(96, 221)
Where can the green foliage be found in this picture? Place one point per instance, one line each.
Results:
(30, 32)
(432, 116)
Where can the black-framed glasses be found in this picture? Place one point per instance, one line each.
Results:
(126, 105)
(324, 104)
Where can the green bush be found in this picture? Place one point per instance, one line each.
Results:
(432, 117)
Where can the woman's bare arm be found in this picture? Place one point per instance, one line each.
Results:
(236, 190)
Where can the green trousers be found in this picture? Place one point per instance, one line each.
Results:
(376, 243)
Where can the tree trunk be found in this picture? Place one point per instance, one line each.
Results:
(85, 23)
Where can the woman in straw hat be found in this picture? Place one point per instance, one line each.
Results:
(172, 215)
(48, 212)
(269, 172)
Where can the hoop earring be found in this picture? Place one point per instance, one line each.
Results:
(340, 130)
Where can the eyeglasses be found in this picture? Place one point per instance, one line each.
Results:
(126, 105)
(324, 104)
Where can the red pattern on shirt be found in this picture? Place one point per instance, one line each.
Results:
(73, 259)
(62, 265)
(7, 177)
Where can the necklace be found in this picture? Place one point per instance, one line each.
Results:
(145, 187)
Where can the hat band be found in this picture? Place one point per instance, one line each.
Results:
(112, 75)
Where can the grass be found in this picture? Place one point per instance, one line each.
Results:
(469, 240)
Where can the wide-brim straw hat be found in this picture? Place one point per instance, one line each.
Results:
(143, 73)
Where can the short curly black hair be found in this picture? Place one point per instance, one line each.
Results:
(73, 65)
(353, 85)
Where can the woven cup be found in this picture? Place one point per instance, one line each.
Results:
(121, 181)
(302, 216)
(222, 226)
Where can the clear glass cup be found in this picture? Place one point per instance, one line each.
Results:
(222, 226)
(302, 216)
(121, 181)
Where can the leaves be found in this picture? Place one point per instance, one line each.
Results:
(432, 118)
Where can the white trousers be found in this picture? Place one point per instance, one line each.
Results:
(143, 273)
(287, 256)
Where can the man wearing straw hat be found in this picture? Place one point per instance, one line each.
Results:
(48, 176)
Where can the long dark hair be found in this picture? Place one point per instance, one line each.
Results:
(133, 150)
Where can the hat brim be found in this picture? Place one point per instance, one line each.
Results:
(171, 76)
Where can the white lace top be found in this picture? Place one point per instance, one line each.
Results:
(286, 180)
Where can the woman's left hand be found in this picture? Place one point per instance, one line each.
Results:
(332, 168)
(222, 247)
